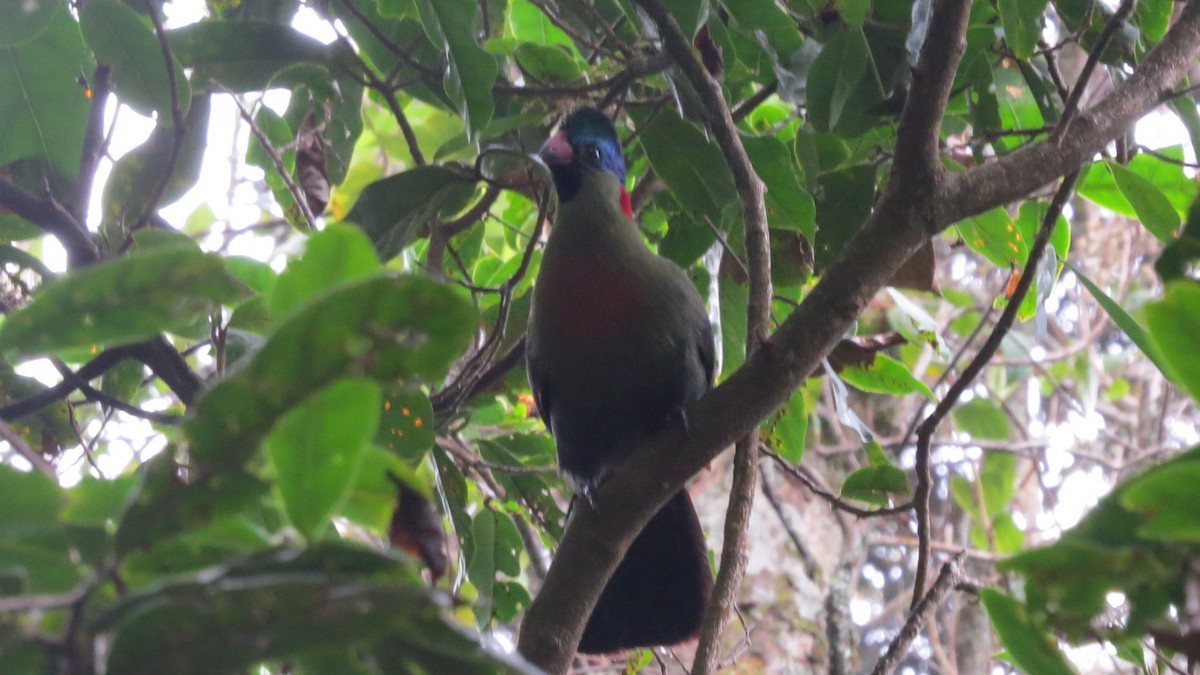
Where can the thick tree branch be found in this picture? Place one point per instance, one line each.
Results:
(93, 142)
(53, 219)
(901, 222)
(1011, 177)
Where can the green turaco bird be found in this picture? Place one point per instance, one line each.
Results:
(618, 343)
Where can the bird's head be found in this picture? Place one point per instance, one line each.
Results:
(585, 149)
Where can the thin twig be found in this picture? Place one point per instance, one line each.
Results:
(946, 580)
(22, 448)
(1071, 107)
(837, 502)
(180, 124)
(293, 188)
(927, 428)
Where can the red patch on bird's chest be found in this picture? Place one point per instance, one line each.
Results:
(588, 298)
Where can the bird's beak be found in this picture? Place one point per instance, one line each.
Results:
(557, 151)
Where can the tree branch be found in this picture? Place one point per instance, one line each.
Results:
(53, 219)
(758, 323)
(1010, 177)
(927, 428)
(901, 222)
(946, 581)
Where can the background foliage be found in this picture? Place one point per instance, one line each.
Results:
(262, 399)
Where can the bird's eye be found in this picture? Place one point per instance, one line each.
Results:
(591, 154)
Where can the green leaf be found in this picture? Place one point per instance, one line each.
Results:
(43, 111)
(982, 418)
(256, 274)
(1153, 17)
(874, 484)
(1022, 21)
(766, 20)
(697, 177)
(383, 328)
(1151, 205)
(29, 502)
(789, 206)
(885, 375)
(1174, 323)
(734, 299)
(22, 22)
(994, 235)
(1023, 636)
(406, 423)
(547, 63)
(787, 430)
(472, 71)
(278, 609)
(131, 298)
(317, 447)
(336, 255)
(1132, 328)
(121, 39)
(1009, 538)
(1169, 499)
(372, 498)
(843, 203)
(494, 546)
(243, 55)
(998, 475)
(835, 74)
(165, 507)
(98, 502)
(393, 211)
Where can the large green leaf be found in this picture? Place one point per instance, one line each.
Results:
(789, 206)
(1174, 323)
(1026, 640)
(1169, 500)
(381, 328)
(317, 447)
(393, 211)
(290, 602)
(1127, 323)
(1151, 205)
(470, 71)
(1022, 21)
(336, 255)
(885, 375)
(243, 55)
(693, 169)
(835, 75)
(22, 22)
(982, 418)
(121, 39)
(131, 298)
(43, 111)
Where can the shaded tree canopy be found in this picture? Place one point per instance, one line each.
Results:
(266, 267)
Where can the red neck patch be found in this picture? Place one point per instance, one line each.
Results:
(626, 203)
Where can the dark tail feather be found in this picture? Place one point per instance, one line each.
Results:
(658, 594)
